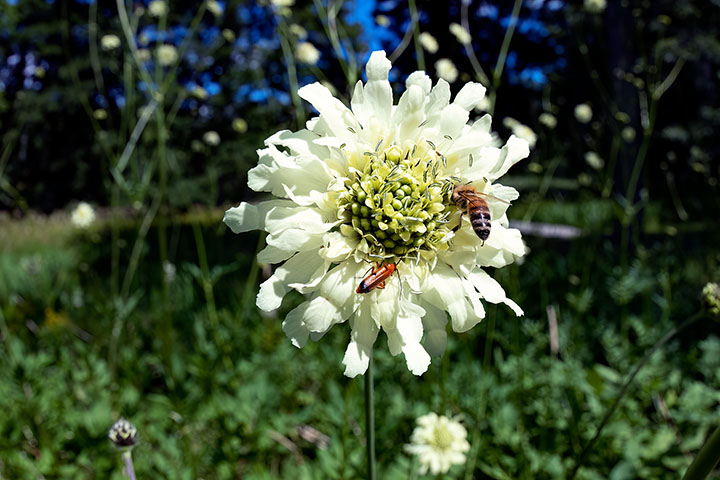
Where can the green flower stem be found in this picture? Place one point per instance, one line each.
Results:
(127, 457)
(665, 338)
(370, 420)
(706, 459)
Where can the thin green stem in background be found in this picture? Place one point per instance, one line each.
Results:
(500, 65)
(370, 420)
(706, 459)
(129, 468)
(665, 338)
(291, 72)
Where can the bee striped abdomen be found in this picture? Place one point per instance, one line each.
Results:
(479, 214)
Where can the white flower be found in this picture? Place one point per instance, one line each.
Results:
(307, 53)
(382, 20)
(595, 6)
(283, 3)
(157, 8)
(199, 92)
(548, 119)
(166, 55)
(215, 8)
(428, 42)
(446, 70)
(143, 54)
(460, 33)
(298, 31)
(521, 131)
(583, 113)
(438, 442)
(372, 183)
(83, 215)
(211, 138)
(109, 42)
(240, 125)
(628, 134)
(594, 160)
(484, 105)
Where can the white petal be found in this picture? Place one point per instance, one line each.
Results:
(375, 98)
(311, 220)
(301, 143)
(294, 326)
(337, 247)
(320, 315)
(452, 120)
(362, 337)
(434, 324)
(439, 98)
(299, 269)
(339, 285)
(271, 254)
(470, 95)
(246, 217)
(406, 338)
(294, 239)
(334, 116)
(421, 79)
(514, 150)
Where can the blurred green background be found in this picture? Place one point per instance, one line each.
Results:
(152, 113)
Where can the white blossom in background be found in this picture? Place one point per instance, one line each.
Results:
(166, 55)
(157, 8)
(439, 443)
(484, 105)
(628, 134)
(460, 33)
(548, 119)
(595, 6)
(298, 31)
(215, 8)
(372, 183)
(521, 130)
(143, 54)
(240, 125)
(109, 42)
(446, 70)
(212, 138)
(307, 53)
(428, 42)
(382, 20)
(283, 3)
(594, 160)
(83, 215)
(199, 92)
(583, 113)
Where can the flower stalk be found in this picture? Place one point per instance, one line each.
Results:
(370, 420)
(706, 459)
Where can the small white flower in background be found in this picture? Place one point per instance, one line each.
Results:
(100, 114)
(446, 70)
(283, 3)
(169, 271)
(428, 42)
(373, 183)
(595, 6)
(166, 55)
(157, 8)
(228, 35)
(438, 442)
(548, 119)
(83, 215)
(307, 53)
(382, 20)
(298, 31)
(215, 8)
(594, 160)
(521, 131)
(211, 138)
(199, 92)
(109, 42)
(484, 105)
(240, 125)
(143, 54)
(460, 33)
(583, 113)
(628, 134)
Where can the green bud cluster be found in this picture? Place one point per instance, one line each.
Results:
(397, 204)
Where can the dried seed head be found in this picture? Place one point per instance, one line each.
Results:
(123, 434)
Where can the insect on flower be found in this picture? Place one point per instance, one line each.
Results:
(467, 198)
(376, 278)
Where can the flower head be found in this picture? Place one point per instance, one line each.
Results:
(428, 42)
(166, 55)
(595, 6)
(372, 184)
(109, 42)
(307, 53)
(123, 434)
(157, 8)
(711, 296)
(212, 138)
(83, 215)
(460, 33)
(446, 70)
(583, 113)
(548, 119)
(438, 442)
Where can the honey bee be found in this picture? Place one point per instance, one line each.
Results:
(376, 278)
(467, 198)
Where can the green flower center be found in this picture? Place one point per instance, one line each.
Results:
(397, 204)
(442, 439)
